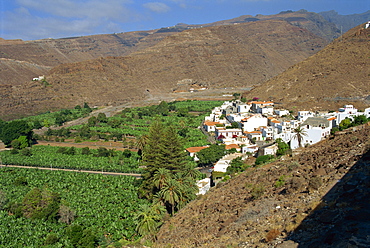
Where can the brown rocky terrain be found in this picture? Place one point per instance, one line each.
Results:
(228, 56)
(42, 55)
(46, 53)
(338, 74)
(319, 197)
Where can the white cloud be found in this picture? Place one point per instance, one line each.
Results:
(157, 7)
(35, 19)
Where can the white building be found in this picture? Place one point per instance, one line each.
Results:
(281, 112)
(253, 122)
(316, 129)
(303, 115)
(224, 162)
(204, 185)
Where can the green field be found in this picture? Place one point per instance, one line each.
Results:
(104, 204)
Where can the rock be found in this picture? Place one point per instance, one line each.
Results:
(288, 244)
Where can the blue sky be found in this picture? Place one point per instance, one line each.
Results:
(39, 19)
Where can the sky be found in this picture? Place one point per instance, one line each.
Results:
(41, 19)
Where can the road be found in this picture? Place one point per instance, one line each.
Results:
(70, 170)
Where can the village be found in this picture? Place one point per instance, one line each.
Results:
(252, 128)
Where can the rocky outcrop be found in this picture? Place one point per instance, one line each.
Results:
(318, 196)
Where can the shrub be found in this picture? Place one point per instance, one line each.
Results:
(263, 159)
(51, 239)
(280, 182)
(315, 183)
(257, 191)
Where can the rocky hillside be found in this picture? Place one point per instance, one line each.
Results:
(317, 198)
(345, 22)
(337, 75)
(30, 59)
(216, 57)
(33, 58)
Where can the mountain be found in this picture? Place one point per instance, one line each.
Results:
(30, 59)
(311, 21)
(346, 22)
(34, 58)
(339, 74)
(218, 57)
(320, 200)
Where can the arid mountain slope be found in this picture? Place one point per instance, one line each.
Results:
(216, 57)
(48, 53)
(345, 22)
(300, 201)
(338, 74)
(52, 52)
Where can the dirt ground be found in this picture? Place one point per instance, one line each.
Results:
(90, 144)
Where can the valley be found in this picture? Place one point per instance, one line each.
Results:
(132, 104)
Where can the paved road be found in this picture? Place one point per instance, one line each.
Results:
(84, 171)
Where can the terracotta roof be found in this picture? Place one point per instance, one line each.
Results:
(196, 148)
(275, 121)
(332, 118)
(257, 102)
(227, 147)
(210, 123)
(256, 132)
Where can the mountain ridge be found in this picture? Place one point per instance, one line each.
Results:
(227, 56)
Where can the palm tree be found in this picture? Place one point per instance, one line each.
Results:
(171, 194)
(140, 143)
(299, 132)
(161, 177)
(149, 219)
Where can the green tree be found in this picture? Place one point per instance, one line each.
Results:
(283, 148)
(171, 194)
(344, 124)
(41, 204)
(211, 154)
(299, 133)
(13, 130)
(148, 219)
(102, 118)
(163, 108)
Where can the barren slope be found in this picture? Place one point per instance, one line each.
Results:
(217, 57)
(48, 53)
(338, 74)
(322, 200)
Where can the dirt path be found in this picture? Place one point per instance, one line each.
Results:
(70, 170)
(92, 145)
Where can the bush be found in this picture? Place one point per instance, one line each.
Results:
(51, 239)
(257, 191)
(280, 182)
(263, 159)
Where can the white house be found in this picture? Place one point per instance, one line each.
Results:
(225, 161)
(192, 151)
(316, 129)
(251, 149)
(254, 135)
(348, 111)
(267, 110)
(222, 132)
(281, 112)
(270, 150)
(253, 122)
(258, 105)
(204, 185)
(243, 108)
(210, 126)
(303, 115)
